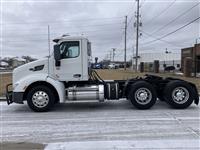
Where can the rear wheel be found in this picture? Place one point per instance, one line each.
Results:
(40, 98)
(178, 94)
(142, 95)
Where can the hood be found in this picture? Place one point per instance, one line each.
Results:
(38, 66)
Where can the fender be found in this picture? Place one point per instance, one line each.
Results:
(59, 86)
(196, 95)
(22, 85)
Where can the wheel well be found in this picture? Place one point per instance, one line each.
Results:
(128, 86)
(41, 83)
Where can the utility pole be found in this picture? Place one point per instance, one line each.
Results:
(195, 58)
(133, 58)
(137, 34)
(49, 42)
(107, 56)
(110, 55)
(113, 54)
(125, 43)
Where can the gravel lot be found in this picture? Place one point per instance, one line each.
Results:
(109, 125)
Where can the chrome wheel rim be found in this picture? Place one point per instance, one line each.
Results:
(180, 95)
(143, 96)
(40, 99)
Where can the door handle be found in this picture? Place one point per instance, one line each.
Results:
(77, 75)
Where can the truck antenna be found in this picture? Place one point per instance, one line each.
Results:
(49, 46)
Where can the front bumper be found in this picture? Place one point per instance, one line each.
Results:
(11, 96)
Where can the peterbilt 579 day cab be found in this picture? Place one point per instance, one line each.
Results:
(66, 75)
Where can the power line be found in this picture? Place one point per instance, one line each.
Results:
(149, 35)
(116, 49)
(162, 12)
(166, 35)
(121, 51)
(179, 16)
(142, 3)
(131, 15)
(131, 9)
(130, 20)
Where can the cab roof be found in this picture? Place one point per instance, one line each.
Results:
(68, 37)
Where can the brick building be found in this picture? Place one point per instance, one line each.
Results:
(190, 52)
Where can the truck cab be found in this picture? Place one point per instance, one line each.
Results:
(66, 75)
(72, 59)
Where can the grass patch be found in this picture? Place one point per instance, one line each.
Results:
(4, 80)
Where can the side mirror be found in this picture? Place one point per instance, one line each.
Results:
(57, 54)
(89, 49)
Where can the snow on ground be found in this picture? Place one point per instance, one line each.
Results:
(121, 145)
(109, 125)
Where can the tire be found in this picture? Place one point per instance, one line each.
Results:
(40, 98)
(178, 94)
(142, 95)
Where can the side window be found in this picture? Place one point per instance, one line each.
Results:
(70, 49)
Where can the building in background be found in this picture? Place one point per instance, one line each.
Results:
(194, 53)
(17, 62)
(165, 60)
(3, 65)
(9, 63)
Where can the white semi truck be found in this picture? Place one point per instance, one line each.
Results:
(66, 75)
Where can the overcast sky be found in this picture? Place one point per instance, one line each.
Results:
(24, 25)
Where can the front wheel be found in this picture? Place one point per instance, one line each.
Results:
(142, 95)
(40, 98)
(178, 94)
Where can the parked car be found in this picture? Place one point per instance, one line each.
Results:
(105, 67)
(170, 68)
(97, 66)
(117, 66)
(111, 66)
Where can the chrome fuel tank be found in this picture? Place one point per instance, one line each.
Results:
(90, 92)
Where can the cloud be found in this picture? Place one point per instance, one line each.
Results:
(25, 25)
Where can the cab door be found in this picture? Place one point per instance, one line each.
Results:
(70, 68)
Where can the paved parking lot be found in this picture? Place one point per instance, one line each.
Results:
(110, 125)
